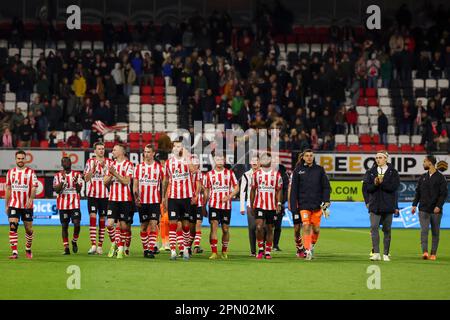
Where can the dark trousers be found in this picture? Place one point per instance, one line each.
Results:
(277, 230)
(427, 219)
(376, 220)
(251, 232)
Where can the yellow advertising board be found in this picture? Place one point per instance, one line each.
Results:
(346, 191)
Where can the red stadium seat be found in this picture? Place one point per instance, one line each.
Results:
(158, 90)
(85, 145)
(158, 99)
(372, 101)
(371, 92)
(419, 148)
(43, 144)
(146, 137)
(35, 144)
(135, 145)
(406, 148)
(362, 93)
(61, 144)
(393, 148)
(146, 90)
(146, 99)
(109, 145)
(134, 136)
(367, 148)
(376, 139)
(218, 99)
(353, 148)
(341, 148)
(361, 102)
(156, 137)
(365, 139)
(159, 82)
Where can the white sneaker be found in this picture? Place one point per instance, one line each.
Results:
(375, 257)
(312, 251)
(186, 254)
(386, 257)
(99, 250)
(308, 255)
(92, 250)
(173, 255)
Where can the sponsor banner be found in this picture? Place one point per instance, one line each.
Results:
(48, 160)
(342, 215)
(346, 191)
(40, 192)
(357, 164)
(407, 191)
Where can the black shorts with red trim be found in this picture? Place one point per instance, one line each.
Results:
(149, 212)
(119, 210)
(179, 209)
(65, 216)
(97, 205)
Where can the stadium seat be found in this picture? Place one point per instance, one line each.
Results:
(363, 129)
(365, 139)
(385, 102)
(387, 110)
(406, 148)
(374, 129)
(367, 148)
(361, 102)
(135, 145)
(376, 139)
(171, 100)
(158, 81)
(371, 92)
(418, 83)
(147, 127)
(430, 84)
(146, 90)
(419, 148)
(134, 136)
(160, 99)
(147, 117)
(171, 108)
(341, 148)
(392, 139)
(109, 144)
(373, 120)
(352, 139)
(372, 101)
(391, 130)
(134, 98)
(134, 117)
(353, 148)
(378, 147)
(383, 92)
(43, 144)
(146, 107)
(393, 148)
(362, 111)
(363, 120)
(158, 90)
(146, 99)
(403, 139)
(147, 137)
(85, 144)
(60, 144)
(416, 139)
(133, 108)
(443, 84)
(171, 91)
(340, 139)
(135, 90)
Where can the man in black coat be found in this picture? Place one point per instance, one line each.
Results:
(309, 196)
(431, 193)
(380, 186)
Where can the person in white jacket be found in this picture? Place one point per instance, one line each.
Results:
(246, 185)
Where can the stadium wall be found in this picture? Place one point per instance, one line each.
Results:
(343, 215)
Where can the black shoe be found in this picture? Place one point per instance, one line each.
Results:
(150, 255)
(180, 254)
(66, 251)
(74, 247)
(156, 250)
(198, 250)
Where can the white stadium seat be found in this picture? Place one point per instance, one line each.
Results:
(352, 139)
(171, 99)
(403, 139)
(159, 117)
(373, 120)
(362, 111)
(363, 129)
(159, 126)
(416, 139)
(147, 117)
(392, 139)
(363, 120)
(443, 83)
(133, 107)
(374, 129)
(431, 83)
(340, 139)
(134, 98)
(134, 117)
(391, 130)
(135, 127)
(135, 90)
(373, 111)
(147, 127)
(418, 83)
(171, 108)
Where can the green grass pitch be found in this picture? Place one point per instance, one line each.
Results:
(339, 270)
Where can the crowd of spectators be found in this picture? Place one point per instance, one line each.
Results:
(230, 75)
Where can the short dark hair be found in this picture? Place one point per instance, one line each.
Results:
(431, 158)
(149, 146)
(99, 143)
(21, 152)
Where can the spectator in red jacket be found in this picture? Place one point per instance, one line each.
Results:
(352, 119)
(74, 141)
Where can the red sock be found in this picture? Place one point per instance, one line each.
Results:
(261, 245)
(144, 240)
(122, 238)
(173, 236)
(299, 243)
(75, 237)
(224, 246)
(29, 238)
(101, 234)
(93, 230)
(112, 234)
(268, 247)
(128, 239)
(198, 238)
(118, 235)
(13, 240)
(180, 240)
(186, 235)
(66, 242)
(213, 243)
(152, 240)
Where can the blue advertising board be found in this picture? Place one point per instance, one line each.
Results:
(343, 215)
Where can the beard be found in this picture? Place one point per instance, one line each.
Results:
(426, 167)
(180, 153)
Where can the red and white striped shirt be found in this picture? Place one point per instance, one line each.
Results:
(69, 198)
(198, 177)
(149, 181)
(21, 181)
(117, 190)
(221, 184)
(180, 184)
(95, 188)
(266, 183)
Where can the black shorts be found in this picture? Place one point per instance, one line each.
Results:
(221, 215)
(198, 214)
(149, 212)
(195, 213)
(21, 214)
(179, 209)
(297, 217)
(119, 210)
(269, 216)
(98, 205)
(65, 216)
